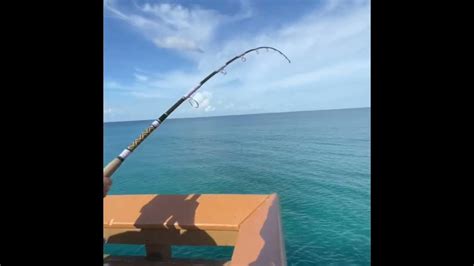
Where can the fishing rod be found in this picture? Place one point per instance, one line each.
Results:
(113, 165)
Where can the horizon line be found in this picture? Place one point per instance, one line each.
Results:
(140, 120)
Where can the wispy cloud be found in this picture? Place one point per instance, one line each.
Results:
(329, 48)
(112, 85)
(111, 113)
(140, 77)
(108, 111)
(146, 95)
(174, 26)
(204, 100)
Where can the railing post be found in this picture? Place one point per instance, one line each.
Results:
(158, 252)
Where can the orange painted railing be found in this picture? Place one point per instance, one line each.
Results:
(250, 223)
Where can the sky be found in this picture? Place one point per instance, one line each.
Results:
(156, 51)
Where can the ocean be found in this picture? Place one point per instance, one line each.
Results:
(317, 161)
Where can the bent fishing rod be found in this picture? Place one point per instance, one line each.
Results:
(110, 169)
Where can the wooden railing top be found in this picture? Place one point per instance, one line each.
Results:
(251, 223)
(194, 211)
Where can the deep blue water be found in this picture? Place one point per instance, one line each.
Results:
(317, 161)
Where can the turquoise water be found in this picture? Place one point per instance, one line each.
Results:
(317, 161)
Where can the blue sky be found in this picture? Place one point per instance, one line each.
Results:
(156, 51)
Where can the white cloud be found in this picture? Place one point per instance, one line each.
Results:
(177, 42)
(140, 89)
(107, 111)
(146, 95)
(174, 26)
(140, 77)
(229, 106)
(204, 100)
(209, 108)
(111, 113)
(329, 49)
(112, 85)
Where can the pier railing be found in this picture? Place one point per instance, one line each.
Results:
(249, 223)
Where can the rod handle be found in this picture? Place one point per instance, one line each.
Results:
(110, 169)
